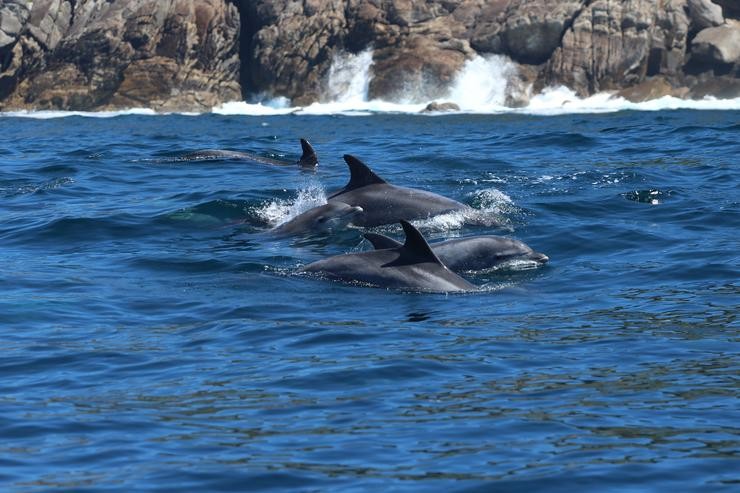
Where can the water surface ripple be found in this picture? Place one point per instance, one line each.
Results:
(156, 337)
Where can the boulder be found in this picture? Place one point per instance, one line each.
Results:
(705, 14)
(719, 44)
(435, 107)
(533, 29)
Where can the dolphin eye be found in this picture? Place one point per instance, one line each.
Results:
(321, 219)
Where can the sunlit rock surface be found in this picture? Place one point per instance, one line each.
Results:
(185, 55)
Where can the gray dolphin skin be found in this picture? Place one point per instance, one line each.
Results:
(384, 203)
(412, 266)
(307, 160)
(323, 218)
(471, 254)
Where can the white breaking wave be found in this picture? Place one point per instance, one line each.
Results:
(483, 86)
(349, 77)
(47, 114)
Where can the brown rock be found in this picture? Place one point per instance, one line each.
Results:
(724, 87)
(614, 44)
(94, 54)
(652, 88)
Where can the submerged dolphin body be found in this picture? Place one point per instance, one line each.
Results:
(307, 160)
(412, 266)
(327, 217)
(384, 203)
(471, 254)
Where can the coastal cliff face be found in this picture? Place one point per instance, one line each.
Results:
(98, 54)
(192, 55)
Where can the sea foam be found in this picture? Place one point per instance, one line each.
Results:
(483, 86)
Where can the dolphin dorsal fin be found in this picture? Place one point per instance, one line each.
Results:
(309, 158)
(382, 242)
(417, 246)
(359, 174)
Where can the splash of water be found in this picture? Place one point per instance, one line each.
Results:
(278, 211)
(483, 83)
(349, 77)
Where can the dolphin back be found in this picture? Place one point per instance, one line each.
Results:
(381, 242)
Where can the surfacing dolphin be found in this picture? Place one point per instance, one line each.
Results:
(323, 218)
(307, 160)
(471, 254)
(384, 203)
(412, 266)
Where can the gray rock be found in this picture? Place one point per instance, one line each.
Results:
(718, 44)
(436, 107)
(532, 30)
(614, 44)
(705, 14)
(13, 15)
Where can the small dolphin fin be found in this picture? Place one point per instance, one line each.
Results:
(416, 246)
(382, 242)
(309, 158)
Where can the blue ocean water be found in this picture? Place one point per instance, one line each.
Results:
(156, 336)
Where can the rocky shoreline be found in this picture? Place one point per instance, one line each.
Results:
(184, 55)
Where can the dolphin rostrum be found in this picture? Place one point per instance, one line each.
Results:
(412, 266)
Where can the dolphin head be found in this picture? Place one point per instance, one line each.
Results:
(335, 215)
(308, 158)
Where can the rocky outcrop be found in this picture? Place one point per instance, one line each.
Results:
(419, 47)
(704, 14)
(85, 54)
(188, 55)
(718, 45)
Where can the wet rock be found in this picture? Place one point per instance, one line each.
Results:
(436, 107)
(653, 88)
(723, 87)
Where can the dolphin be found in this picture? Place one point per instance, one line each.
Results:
(384, 203)
(307, 160)
(327, 217)
(471, 254)
(412, 266)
